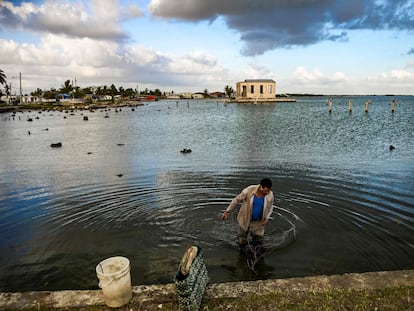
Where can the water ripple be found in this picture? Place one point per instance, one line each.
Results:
(343, 201)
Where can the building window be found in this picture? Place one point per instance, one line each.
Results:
(261, 89)
(270, 89)
(252, 89)
(244, 91)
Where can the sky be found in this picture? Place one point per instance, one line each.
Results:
(352, 47)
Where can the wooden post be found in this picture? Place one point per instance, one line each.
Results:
(21, 93)
(393, 104)
(367, 103)
(350, 106)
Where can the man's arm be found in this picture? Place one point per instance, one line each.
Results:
(236, 200)
(269, 210)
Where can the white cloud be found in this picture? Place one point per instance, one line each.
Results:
(318, 77)
(255, 71)
(93, 62)
(70, 18)
(394, 77)
(140, 55)
(82, 39)
(396, 81)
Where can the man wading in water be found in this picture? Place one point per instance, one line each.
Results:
(254, 213)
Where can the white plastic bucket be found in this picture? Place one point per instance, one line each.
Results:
(115, 280)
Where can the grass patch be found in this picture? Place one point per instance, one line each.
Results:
(388, 299)
(397, 298)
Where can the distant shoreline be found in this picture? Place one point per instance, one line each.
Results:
(60, 106)
(340, 95)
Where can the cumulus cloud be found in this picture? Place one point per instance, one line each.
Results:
(255, 71)
(305, 80)
(316, 76)
(69, 18)
(99, 62)
(400, 79)
(269, 24)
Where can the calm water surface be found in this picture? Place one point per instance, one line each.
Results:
(120, 186)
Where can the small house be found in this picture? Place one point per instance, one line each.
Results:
(256, 90)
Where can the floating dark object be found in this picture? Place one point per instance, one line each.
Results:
(185, 150)
(85, 118)
(392, 147)
(120, 175)
(121, 144)
(30, 120)
(28, 132)
(106, 116)
(56, 145)
(89, 152)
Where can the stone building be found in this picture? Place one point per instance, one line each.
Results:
(256, 90)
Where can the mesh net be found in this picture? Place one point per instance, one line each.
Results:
(191, 288)
(279, 233)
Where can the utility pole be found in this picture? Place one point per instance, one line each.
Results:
(21, 95)
(73, 90)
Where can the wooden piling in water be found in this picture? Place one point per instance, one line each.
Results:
(393, 104)
(367, 103)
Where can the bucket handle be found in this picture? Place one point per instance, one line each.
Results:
(102, 285)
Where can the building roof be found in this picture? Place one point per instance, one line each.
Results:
(259, 80)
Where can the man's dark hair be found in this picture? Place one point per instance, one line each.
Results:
(266, 182)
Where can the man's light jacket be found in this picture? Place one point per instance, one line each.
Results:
(245, 213)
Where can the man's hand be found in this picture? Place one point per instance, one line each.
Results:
(224, 215)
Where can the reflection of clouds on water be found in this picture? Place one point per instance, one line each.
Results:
(190, 206)
(343, 202)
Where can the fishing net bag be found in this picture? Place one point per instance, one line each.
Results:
(191, 279)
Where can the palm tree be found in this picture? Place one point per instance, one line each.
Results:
(7, 89)
(38, 93)
(66, 87)
(113, 91)
(3, 77)
(121, 91)
(228, 90)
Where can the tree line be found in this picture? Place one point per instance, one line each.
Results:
(77, 92)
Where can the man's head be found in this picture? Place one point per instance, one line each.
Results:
(266, 185)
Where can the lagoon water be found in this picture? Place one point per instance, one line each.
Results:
(120, 186)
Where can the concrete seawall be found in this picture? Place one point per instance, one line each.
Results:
(159, 294)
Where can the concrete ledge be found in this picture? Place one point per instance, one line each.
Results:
(158, 294)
